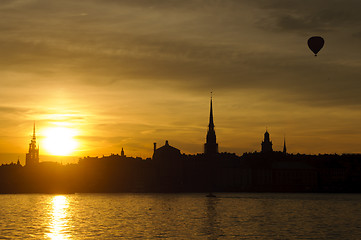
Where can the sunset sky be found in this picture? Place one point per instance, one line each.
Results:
(129, 73)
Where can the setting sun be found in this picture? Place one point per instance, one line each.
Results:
(60, 141)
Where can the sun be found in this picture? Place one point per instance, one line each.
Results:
(60, 141)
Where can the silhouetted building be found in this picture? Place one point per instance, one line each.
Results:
(266, 143)
(171, 171)
(166, 154)
(211, 145)
(122, 153)
(284, 146)
(169, 168)
(32, 157)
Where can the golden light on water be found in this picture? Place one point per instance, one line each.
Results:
(60, 141)
(58, 222)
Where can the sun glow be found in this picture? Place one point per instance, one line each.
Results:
(60, 141)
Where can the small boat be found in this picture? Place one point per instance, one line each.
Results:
(210, 195)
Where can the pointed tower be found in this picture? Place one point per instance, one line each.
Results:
(211, 145)
(122, 153)
(32, 157)
(266, 143)
(284, 145)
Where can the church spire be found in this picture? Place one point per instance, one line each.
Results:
(122, 153)
(34, 136)
(211, 124)
(211, 146)
(284, 145)
(32, 157)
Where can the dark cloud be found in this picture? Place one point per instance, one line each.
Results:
(191, 66)
(309, 16)
(190, 45)
(357, 34)
(13, 110)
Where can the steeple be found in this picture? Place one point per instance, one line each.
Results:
(34, 136)
(122, 153)
(211, 124)
(284, 145)
(32, 157)
(266, 143)
(211, 146)
(266, 136)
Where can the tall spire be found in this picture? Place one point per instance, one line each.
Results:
(122, 153)
(284, 145)
(34, 136)
(32, 157)
(211, 146)
(211, 124)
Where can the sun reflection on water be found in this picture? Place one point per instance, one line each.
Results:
(59, 222)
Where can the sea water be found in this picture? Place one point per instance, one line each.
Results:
(180, 216)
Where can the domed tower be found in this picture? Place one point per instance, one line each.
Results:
(211, 145)
(32, 157)
(266, 143)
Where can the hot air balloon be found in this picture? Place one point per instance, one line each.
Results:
(315, 44)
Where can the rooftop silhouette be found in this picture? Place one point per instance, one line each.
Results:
(170, 170)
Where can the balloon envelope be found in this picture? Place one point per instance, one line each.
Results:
(315, 44)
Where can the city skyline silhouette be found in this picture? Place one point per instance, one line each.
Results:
(192, 119)
(121, 73)
(210, 146)
(170, 170)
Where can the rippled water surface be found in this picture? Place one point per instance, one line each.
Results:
(181, 216)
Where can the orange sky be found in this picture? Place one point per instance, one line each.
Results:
(130, 73)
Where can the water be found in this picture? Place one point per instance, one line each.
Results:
(181, 216)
